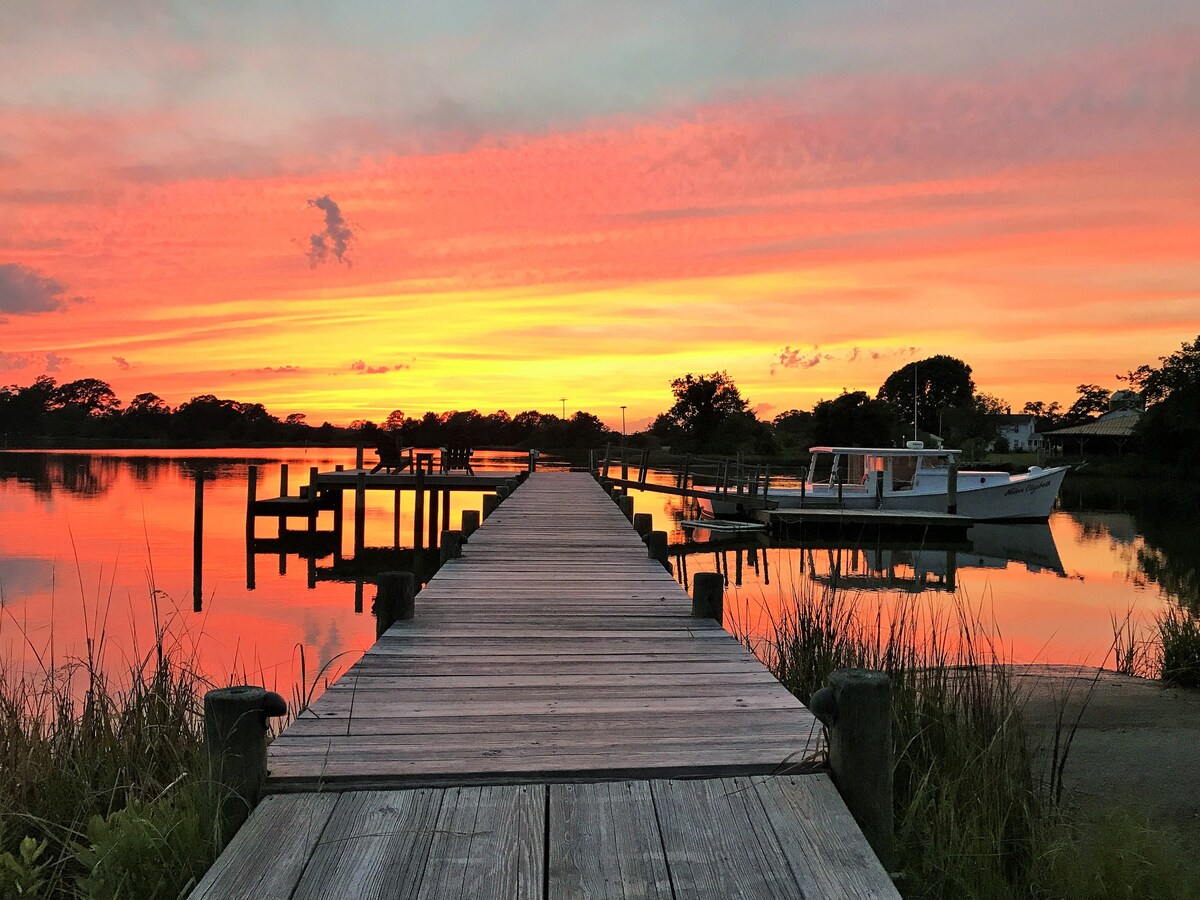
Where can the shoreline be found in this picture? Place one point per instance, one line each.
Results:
(1137, 744)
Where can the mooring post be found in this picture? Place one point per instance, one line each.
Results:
(856, 707)
(251, 499)
(625, 502)
(394, 600)
(490, 502)
(470, 523)
(360, 512)
(643, 523)
(419, 509)
(313, 508)
(952, 487)
(656, 545)
(502, 493)
(358, 456)
(446, 507)
(235, 742)
(451, 546)
(283, 492)
(434, 528)
(513, 484)
(708, 596)
(198, 546)
(533, 460)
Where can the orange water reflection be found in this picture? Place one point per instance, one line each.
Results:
(97, 544)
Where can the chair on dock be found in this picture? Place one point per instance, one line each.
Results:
(456, 458)
(392, 458)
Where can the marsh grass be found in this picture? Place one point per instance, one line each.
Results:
(977, 813)
(101, 775)
(1168, 650)
(1179, 636)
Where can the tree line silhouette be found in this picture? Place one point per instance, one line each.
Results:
(936, 396)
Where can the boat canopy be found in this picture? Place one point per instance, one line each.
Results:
(883, 451)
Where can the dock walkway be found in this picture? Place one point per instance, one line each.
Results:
(553, 723)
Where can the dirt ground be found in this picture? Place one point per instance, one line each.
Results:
(1138, 743)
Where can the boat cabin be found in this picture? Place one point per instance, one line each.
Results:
(859, 469)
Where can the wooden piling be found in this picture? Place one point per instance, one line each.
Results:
(283, 492)
(856, 707)
(708, 596)
(358, 457)
(198, 546)
(446, 507)
(450, 546)
(312, 499)
(396, 503)
(360, 513)
(395, 600)
(643, 523)
(501, 494)
(470, 523)
(656, 545)
(952, 487)
(251, 499)
(235, 742)
(419, 509)
(879, 490)
(490, 502)
(434, 529)
(626, 505)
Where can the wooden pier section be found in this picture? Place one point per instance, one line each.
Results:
(553, 722)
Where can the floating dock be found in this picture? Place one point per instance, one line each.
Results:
(553, 722)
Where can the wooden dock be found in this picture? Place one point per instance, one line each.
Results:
(552, 723)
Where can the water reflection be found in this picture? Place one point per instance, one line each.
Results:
(89, 538)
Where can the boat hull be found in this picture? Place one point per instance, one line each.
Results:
(985, 497)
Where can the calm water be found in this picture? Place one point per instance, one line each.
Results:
(96, 545)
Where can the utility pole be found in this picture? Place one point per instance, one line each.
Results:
(622, 423)
(564, 403)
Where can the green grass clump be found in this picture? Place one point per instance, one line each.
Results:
(1118, 856)
(101, 780)
(1179, 634)
(975, 816)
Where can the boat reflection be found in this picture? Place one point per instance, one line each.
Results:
(910, 567)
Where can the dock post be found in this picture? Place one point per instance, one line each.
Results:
(708, 595)
(419, 509)
(313, 508)
(251, 499)
(198, 546)
(512, 485)
(626, 504)
(396, 503)
(470, 523)
(446, 507)
(395, 600)
(490, 502)
(433, 518)
(451, 546)
(856, 707)
(502, 493)
(283, 492)
(656, 545)
(360, 512)
(358, 456)
(879, 490)
(952, 487)
(643, 523)
(235, 742)
(839, 483)
(533, 460)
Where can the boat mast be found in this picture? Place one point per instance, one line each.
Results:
(914, 401)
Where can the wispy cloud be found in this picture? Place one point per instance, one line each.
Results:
(122, 363)
(363, 369)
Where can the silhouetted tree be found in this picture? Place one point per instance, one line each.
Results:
(936, 384)
(855, 420)
(703, 403)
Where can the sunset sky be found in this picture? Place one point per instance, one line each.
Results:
(347, 208)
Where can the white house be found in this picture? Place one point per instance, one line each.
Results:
(1019, 431)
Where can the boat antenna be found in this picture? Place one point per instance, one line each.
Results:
(915, 367)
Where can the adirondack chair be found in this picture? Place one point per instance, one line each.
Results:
(456, 458)
(392, 458)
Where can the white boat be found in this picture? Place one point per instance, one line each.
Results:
(908, 478)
